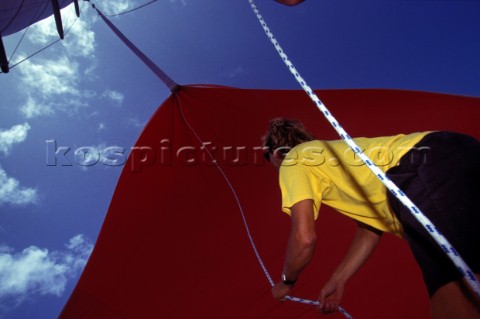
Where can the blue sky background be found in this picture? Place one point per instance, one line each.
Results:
(91, 91)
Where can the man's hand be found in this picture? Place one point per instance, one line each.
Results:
(280, 290)
(363, 244)
(330, 296)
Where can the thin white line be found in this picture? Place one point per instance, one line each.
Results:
(247, 228)
(257, 254)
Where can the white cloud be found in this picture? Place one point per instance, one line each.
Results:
(115, 96)
(181, 2)
(79, 249)
(11, 192)
(36, 271)
(80, 40)
(135, 122)
(116, 6)
(112, 7)
(32, 269)
(43, 32)
(52, 83)
(51, 86)
(33, 108)
(16, 134)
(48, 78)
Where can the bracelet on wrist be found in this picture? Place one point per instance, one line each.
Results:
(288, 282)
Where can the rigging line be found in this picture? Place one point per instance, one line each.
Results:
(44, 48)
(131, 10)
(39, 12)
(237, 199)
(247, 228)
(172, 85)
(23, 36)
(33, 54)
(26, 30)
(448, 249)
(18, 44)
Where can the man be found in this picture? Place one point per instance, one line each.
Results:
(445, 189)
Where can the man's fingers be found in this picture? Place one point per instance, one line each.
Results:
(321, 298)
(279, 291)
(328, 306)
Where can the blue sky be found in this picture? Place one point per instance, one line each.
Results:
(89, 93)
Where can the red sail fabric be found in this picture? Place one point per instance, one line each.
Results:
(173, 244)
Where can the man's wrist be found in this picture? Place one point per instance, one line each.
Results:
(288, 281)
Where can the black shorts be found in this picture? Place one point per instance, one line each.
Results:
(441, 175)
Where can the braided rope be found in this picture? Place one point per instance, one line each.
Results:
(449, 250)
(247, 228)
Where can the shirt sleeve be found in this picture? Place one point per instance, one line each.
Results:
(296, 185)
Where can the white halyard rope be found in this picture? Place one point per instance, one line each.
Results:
(449, 250)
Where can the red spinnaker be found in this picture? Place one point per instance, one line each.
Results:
(173, 244)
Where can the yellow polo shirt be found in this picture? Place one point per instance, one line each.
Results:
(329, 172)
